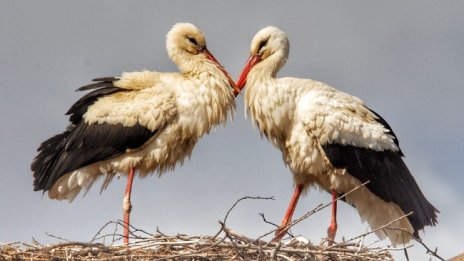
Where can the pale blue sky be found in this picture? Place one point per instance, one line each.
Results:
(404, 59)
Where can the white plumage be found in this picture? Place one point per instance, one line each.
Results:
(330, 139)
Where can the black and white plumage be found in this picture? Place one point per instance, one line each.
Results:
(330, 139)
(83, 144)
(145, 120)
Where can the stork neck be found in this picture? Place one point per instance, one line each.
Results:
(187, 63)
(269, 67)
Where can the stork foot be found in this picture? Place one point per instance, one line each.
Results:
(331, 232)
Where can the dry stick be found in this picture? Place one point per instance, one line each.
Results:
(176, 243)
(133, 230)
(9, 244)
(28, 245)
(406, 254)
(114, 232)
(240, 236)
(274, 251)
(246, 197)
(57, 237)
(35, 242)
(396, 248)
(159, 232)
(271, 223)
(233, 206)
(100, 230)
(434, 253)
(267, 221)
(80, 244)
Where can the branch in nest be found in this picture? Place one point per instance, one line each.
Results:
(223, 222)
(236, 202)
(429, 251)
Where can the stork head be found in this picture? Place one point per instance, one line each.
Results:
(269, 52)
(186, 46)
(186, 40)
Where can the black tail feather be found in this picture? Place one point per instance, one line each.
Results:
(389, 178)
(49, 153)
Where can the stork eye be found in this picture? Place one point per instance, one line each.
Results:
(192, 40)
(262, 44)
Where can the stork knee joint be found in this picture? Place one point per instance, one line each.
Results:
(127, 206)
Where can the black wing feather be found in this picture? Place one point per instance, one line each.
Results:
(83, 144)
(100, 82)
(389, 179)
(106, 79)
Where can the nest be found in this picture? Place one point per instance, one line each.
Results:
(228, 245)
(225, 245)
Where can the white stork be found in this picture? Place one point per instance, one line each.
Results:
(331, 139)
(142, 120)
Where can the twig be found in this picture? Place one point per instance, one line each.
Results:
(80, 244)
(406, 254)
(240, 236)
(429, 251)
(35, 242)
(57, 237)
(159, 232)
(100, 230)
(246, 197)
(9, 244)
(275, 225)
(274, 251)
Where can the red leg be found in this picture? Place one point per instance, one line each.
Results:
(332, 230)
(288, 215)
(127, 206)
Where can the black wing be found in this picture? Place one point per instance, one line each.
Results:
(389, 178)
(83, 144)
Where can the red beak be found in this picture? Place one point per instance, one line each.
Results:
(213, 59)
(252, 61)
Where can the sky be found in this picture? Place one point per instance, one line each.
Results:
(404, 59)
